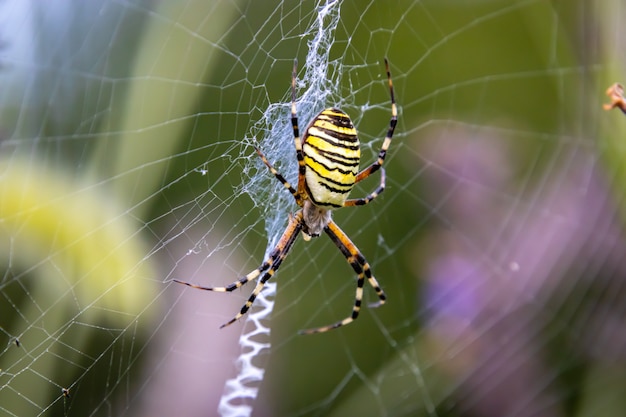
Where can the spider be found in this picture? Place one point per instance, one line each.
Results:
(328, 167)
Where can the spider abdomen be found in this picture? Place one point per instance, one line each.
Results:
(331, 156)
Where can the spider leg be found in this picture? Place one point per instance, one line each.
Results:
(275, 259)
(392, 127)
(230, 287)
(296, 131)
(267, 269)
(361, 267)
(369, 197)
(278, 175)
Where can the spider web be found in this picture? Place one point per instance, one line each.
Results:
(127, 136)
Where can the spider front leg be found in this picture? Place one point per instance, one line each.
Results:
(392, 127)
(268, 268)
(361, 267)
(296, 131)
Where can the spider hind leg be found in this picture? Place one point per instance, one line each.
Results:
(265, 271)
(361, 267)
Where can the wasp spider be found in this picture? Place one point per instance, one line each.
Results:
(328, 167)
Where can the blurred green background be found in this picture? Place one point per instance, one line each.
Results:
(124, 144)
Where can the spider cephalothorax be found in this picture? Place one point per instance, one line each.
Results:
(328, 167)
(314, 219)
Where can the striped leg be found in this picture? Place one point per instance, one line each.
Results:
(233, 286)
(361, 267)
(267, 269)
(296, 131)
(279, 177)
(369, 197)
(392, 127)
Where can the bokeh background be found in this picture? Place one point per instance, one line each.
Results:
(126, 132)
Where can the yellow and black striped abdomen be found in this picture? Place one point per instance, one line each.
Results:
(331, 157)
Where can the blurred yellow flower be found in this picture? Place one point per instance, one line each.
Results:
(71, 237)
